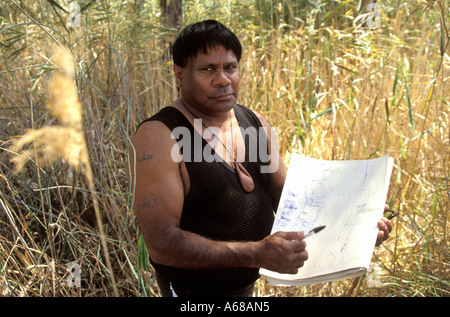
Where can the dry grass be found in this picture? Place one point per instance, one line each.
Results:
(333, 89)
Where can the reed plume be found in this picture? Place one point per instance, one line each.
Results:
(46, 145)
(66, 140)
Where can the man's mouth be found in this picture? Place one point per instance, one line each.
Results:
(224, 96)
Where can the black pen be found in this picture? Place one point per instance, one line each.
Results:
(389, 214)
(314, 231)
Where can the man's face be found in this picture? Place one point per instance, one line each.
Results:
(210, 82)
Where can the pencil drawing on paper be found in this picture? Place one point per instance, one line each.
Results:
(300, 211)
(360, 187)
(345, 196)
(319, 195)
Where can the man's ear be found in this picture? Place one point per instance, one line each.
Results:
(178, 71)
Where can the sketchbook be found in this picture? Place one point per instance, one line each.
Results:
(348, 197)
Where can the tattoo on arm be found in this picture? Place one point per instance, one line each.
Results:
(145, 157)
(153, 202)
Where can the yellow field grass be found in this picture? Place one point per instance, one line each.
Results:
(332, 89)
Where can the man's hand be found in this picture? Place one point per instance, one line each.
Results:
(385, 227)
(283, 252)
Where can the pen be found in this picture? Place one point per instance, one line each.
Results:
(389, 214)
(314, 231)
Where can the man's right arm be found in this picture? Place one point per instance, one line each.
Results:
(158, 200)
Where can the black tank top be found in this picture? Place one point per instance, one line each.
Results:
(217, 207)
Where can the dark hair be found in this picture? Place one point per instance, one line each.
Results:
(201, 36)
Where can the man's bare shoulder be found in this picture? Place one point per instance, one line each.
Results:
(153, 131)
(155, 137)
(151, 127)
(261, 118)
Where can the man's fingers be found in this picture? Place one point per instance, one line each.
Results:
(292, 252)
(385, 225)
(292, 235)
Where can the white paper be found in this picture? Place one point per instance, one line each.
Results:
(348, 197)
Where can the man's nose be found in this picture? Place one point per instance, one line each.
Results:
(221, 78)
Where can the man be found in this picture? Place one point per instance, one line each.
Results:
(204, 207)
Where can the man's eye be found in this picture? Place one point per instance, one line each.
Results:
(207, 69)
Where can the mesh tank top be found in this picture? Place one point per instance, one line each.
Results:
(217, 207)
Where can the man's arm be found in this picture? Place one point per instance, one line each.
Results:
(159, 197)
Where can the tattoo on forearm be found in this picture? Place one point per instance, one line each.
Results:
(145, 157)
(153, 202)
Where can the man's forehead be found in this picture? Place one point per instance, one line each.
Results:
(214, 55)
